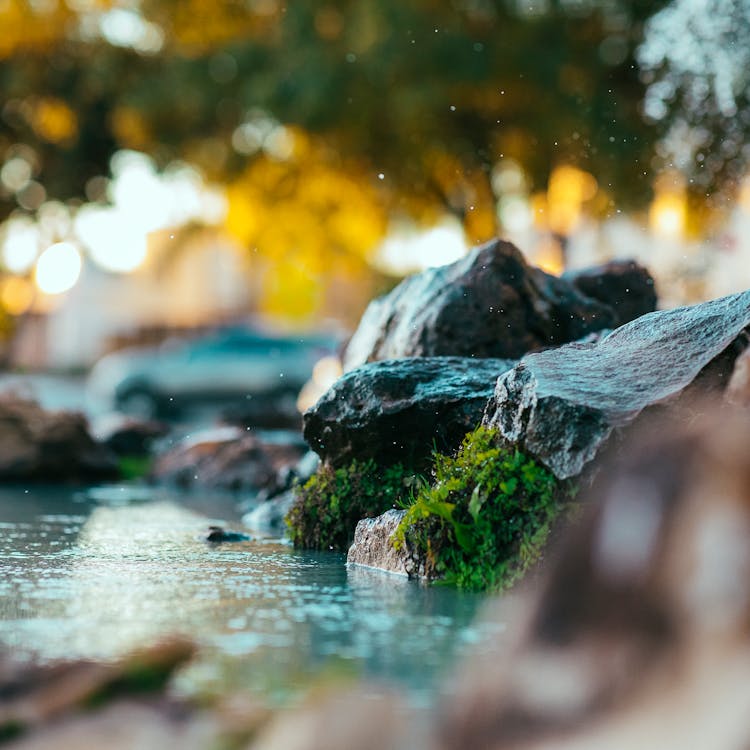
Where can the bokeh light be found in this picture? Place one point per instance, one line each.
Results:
(113, 243)
(20, 246)
(16, 295)
(58, 268)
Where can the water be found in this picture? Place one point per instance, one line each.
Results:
(99, 573)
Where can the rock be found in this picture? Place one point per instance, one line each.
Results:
(218, 535)
(128, 436)
(624, 285)
(489, 304)
(228, 458)
(738, 390)
(399, 410)
(563, 404)
(268, 517)
(33, 693)
(46, 446)
(636, 635)
(373, 546)
(351, 719)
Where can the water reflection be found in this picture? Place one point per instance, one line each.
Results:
(101, 573)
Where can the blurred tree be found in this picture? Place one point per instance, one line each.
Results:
(336, 114)
(430, 94)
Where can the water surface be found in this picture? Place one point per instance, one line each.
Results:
(100, 572)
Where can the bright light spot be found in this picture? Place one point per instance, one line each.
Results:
(568, 189)
(16, 295)
(549, 257)
(516, 214)
(15, 174)
(410, 251)
(667, 215)
(21, 246)
(279, 144)
(508, 177)
(58, 268)
(112, 241)
(126, 28)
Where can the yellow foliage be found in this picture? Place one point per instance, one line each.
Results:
(198, 26)
(304, 217)
(25, 27)
(53, 120)
(130, 128)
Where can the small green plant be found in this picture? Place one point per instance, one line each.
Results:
(328, 507)
(485, 519)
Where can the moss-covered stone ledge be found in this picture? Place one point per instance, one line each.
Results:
(486, 517)
(328, 506)
(480, 523)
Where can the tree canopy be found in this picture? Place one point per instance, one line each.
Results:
(341, 115)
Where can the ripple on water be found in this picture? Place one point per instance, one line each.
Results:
(110, 576)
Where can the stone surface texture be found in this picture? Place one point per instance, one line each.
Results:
(373, 547)
(398, 410)
(624, 285)
(489, 304)
(561, 405)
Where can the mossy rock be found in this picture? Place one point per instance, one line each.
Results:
(486, 517)
(328, 507)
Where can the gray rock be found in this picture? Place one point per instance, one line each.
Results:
(624, 285)
(489, 304)
(373, 546)
(562, 405)
(398, 410)
(268, 517)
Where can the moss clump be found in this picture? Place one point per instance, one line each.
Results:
(328, 507)
(486, 517)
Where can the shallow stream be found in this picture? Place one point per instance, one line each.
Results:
(100, 572)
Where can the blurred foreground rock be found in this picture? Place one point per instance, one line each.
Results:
(400, 410)
(228, 459)
(562, 405)
(45, 446)
(638, 636)
(353, 720)
(86, 705)
(492, 304)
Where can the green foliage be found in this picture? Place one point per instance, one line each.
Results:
(487, 516)
(328, 507)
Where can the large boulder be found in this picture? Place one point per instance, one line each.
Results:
(399, 410)
(490, 303)
(47, 446)
(624, 285)
(562, 405)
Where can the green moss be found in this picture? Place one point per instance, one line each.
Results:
(134, 467)
(328, 507)
(485, 519)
